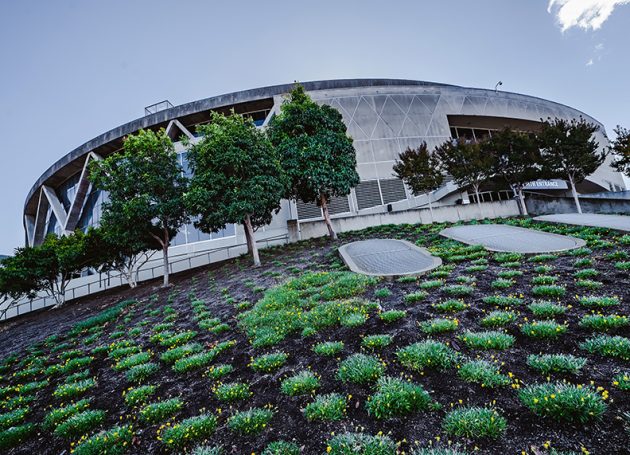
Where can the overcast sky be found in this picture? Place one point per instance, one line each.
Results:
(72, 70)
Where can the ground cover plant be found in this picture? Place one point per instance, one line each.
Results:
(301, 354)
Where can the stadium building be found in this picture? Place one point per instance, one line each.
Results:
(384, 117)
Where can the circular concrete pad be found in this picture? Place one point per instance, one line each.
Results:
(618, 222)
(387, 257)
(501, 237)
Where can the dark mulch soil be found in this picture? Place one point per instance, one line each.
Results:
(526, 432)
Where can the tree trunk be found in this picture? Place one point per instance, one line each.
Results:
(165, 243)
(476, 189)
(249, 232)
(521, 198)
(249, 240)
(575, 195)
(331, 231)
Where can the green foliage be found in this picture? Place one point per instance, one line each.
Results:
(542, 258)
(543, 329)
(487, 340)
(360, 444)
(598, 301)
(328, 348)
(502, 283)
(139, 395)
(622, 381)
(498, 318)
(484, 373)
(80, 424)
(235, 166)
(450, 306)
(396, 397)
(556, 363)
(475, 423)
(544, 280)
(303, 383)
(174, 354)
(392, 315)
(585, 273)
(620, 148)
(438, 325)
(509, 274)
(382, 293)
(414, 297)
(427, 354)
(161, 410)
(375, 342)
(314, 300)
(133, 360)
(360, 369)
(74, 389)
(546, 310)
(189, 430)
(504, 301)
(12, 418)
(282, 448)
(13, 436)
(419, 169)
(141, 373)
(608, 346)
(114, 441)
(269, 363)
(604, 323)
(59, 414)
(563, 402)
(507, 257)
(328, 408)
(353, 319)
(202, 359)
(458, 290)
(252, 421)
(549, 291)
(233, 391)
(219, 371)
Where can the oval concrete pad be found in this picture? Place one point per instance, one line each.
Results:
(618, 222)
(501, 237)
(387, 257)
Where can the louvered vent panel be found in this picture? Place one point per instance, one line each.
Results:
(338, 205)
(307, 211)
(393, 190)
(368, 194)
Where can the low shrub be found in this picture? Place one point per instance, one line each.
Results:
(252, 421)
(13, 436)
(328, 408)
(544, 279)
(427, 354)
(328, 348)
(353, 319)
(507, 274)
(360, 369)
(507, 257)
(396, 397)
(303, 383)
(598, 301)
(58, 415)
(589, 284)
(392, 315)
(546, 310)
(141, 373)
(562, 401)
(382, 293)
(161, 410)
(622, 381)
(174, 354)
(114, 441)
(450, 306)
(604, 323)
(542, 258)
(543, 329)
(585, 273)
(608, 346)
(503, 301)
(133, 360)
(549, 291)
(484, 373)
(475, 423)
(487, 340)
(80, 424)
(268, 363)
(502, 283)
(139, 395)
(74, 389)
(459, 290)
(431, 284)
(375, 342)
(361, 444)
(556, 363)
(189, 430)
(438, 325)
(233, 391)
(219, 371)
(498, 318)
(282, 448)
(416, 297)
(12, 418)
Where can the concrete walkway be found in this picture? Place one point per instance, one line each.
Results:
(501, 237)
(387, 257)
(619, 222)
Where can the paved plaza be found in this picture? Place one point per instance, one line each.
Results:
(387, 257)
(501, 237)
(619, 222)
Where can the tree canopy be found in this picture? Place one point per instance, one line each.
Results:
(146, 188)
(621, 149)
(315, 150)
(569, 151)
(237, 177)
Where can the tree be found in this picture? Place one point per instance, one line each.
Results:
(621, 149)
(237, 177)
(17, 281)
(468, 162)
(420, 171)
(569, 151)
(315, 150)
(146, 188)
(517, 160)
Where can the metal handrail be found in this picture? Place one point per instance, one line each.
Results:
(105, 283)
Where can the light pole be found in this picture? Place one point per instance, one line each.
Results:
(496, 87)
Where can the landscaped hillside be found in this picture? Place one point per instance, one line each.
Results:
(490, 353)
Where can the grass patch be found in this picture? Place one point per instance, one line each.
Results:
(360, 369)
(546, 310)
(438, 325)
(427, 354)
(160, 411)
(328, 348)
(487, 340)
(233, 391)
(543, 329)
(414, 297)
(329, 407)
(189, 430)
(114, 441)
(392, 315)
(141, 373)
(252, 421)
(361, 444)
(396, 397)
(563, 402)
(556, 363)
(450, 306)
(547, 291)
(303, 383)
(503, 301)
(459, 290)
(608, 346)
(376, 342)
(74, 389)
(593, 301)
(269, 363)
(603, 323)
(80, 424)
(483, 373)
(498, 318)
(475, 423)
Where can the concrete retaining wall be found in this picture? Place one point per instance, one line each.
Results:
(550, 205)
(451, 214)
